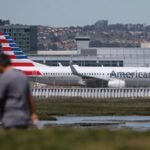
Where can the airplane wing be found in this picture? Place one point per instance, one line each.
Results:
(74, 69)
(95, 80)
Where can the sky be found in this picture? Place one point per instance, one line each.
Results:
(62, 13)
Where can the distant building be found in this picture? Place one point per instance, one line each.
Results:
(24, 36)
(145, 45)
(101, 24)
(4, 22)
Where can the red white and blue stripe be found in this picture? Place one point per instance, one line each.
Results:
(17, 56)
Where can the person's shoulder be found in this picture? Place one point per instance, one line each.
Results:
(17, 74)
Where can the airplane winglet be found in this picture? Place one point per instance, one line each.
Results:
(74, 70)
(60, 65)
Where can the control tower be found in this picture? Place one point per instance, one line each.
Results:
(82, 42)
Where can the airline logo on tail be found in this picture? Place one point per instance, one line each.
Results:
(17, 56)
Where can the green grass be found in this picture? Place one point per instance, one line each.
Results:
(51, 107)
(73, 139)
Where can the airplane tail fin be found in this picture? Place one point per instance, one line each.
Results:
(17, 56)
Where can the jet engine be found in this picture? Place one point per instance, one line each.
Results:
(116, 84)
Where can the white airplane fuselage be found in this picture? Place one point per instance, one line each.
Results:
(92, 76)
(119, 76)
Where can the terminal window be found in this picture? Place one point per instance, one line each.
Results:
(114, 63)
(26, 30)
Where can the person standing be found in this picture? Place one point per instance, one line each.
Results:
(17, 107)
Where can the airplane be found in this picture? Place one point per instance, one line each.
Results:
(59, 75)
(74, 75)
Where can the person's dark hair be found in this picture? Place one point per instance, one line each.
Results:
(4, 60)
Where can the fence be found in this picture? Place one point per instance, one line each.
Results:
(92, 92)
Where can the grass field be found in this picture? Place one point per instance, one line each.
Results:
(73, 139)
(60, 107)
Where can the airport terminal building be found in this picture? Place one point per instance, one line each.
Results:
(88, 56)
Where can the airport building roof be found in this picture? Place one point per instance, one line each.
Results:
(57, 53)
